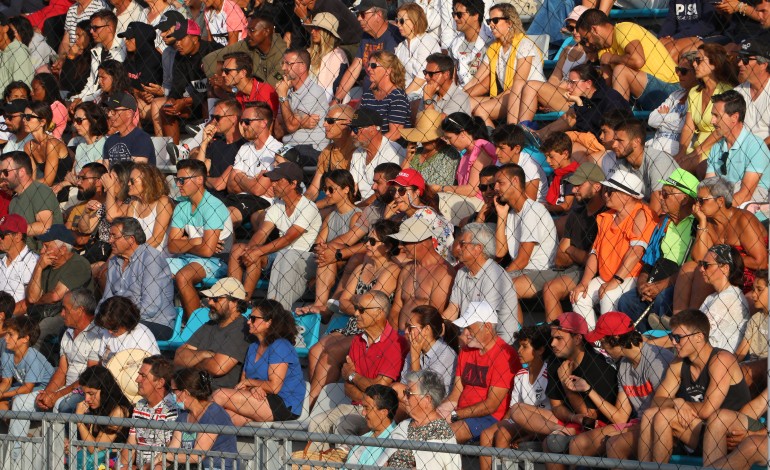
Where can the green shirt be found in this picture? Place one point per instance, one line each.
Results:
(439, 169)
(15, 64)
(36, 198)
(677, 239)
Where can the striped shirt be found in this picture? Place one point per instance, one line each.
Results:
(73, 18)
(393, 108)
(164, 411)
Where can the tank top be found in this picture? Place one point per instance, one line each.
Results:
(695, 390)
(570, 64)
(148, 224)
(339, 223)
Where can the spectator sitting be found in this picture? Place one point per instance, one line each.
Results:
(18, 263)
(225, 21)
(717, 74)
(669, 118)
(75, 69)
(424, 392)
(529, 386)
(338, 154)
(386, 93)
(192, 390)
(129, 142)
(246, 183)
(682, 404)
(524, 63)
(641, 368)
(140, 273)
(49, 154)
(149, 204)
(292, 264)
(220, 345)
(200, 235)
(753, 73)
(121, 319)
(107, 46)
(469, 45)
(103, 397)
(607, 158)
(376, 357)
(162, 15)
(15, 63)
(739, 430)
(579, 235)
(417, 45)
(89, 122)
(435, 159)
(77, 12)
(87, 220)
(39, 50)
(303, 105)
(557, 149)
(487, 214)
(13, 114)
(669, 248)
(7, 305)
(237, 73)
(165, 23)
(739, 156)
(128, 11)
(481, 278)
(271, 387)
(440, 92)
(45, 88)
(630, 51)
(373, 149)
(683, 30)
(484, 375)
(623, 236)
(510, 141)
(157, 404)
(143, 64)
(754, 342)
(327, 60)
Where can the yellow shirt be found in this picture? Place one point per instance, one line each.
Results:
(701, 117)
(657, 60)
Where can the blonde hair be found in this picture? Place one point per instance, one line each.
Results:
(318, 51)
(417, 16)
(389, 61)
(509, 11)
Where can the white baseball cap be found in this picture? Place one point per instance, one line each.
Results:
(477, 312)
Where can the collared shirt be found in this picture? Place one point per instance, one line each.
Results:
(363, 172)
(210, 214)
(80, 349)
(385, 356)
(455, 100)
(13, 146)
(146, 281)
(441, 359)
(469, 56)
(166, 410)
(14, 277)
(748, 154)
(309, 99)
(92, 90)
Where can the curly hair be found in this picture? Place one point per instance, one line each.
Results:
(282, 324)
(96, 117)
(120, 80)
(155, 186)
(17, 85)
(389, 61)
(509, 11)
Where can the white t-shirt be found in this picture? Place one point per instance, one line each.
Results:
(468, 56)
(139, 338)
(533, 171)
(414, 53)
(363, 174)
(253, 161)
(531, 394)
(305, 215)
(757, 116)
(15, 277)
(728, 314)
(527, 48)
(532, 224)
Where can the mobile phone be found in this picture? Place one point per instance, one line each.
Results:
(715, 2)
(588, 422)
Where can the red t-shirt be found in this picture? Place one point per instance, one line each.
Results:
(478, 372)
(260, 91)
(384, 357)
(5, 202)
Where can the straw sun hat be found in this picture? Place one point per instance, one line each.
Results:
(426, 129)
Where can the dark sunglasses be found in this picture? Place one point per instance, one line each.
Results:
(682, 70)
(217, 117)
(79, 120)
(706, 264)
(362, 309)
(401, 190)
(702, 200)
(8, 117)
(354, 129)
(248, 121)
(29, 117)
(372, 241)
(570, 28)
(459, 14)
(486, 187)
(226, 70)
(746, 59)
(333, 121)
(496, 20)
(697, 60)
(329, 190)
(400, 21)
(97, 28)
(429, 73)
(180, 180)
(374, 65)
(8, 171)
(677, 338)
(253, 318)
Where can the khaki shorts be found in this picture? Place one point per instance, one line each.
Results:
(540, 278)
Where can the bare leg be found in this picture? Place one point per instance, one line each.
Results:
(155, 109)
(646, 436)
(243, 406)
(683, 287)
(534, 420)
(627, 81)
(490, 109)
(234, 266)
(185, 279)
(329, 364)
(715, 437)
(514, 101)
(753, 450)
(623, 446)
(553, 293)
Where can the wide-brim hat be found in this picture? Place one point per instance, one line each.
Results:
(125, 366)
(327, 22)
(426, 128)
(627, 183)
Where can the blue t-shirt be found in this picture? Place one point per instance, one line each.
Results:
(33, 368)
(691, 18)
(280, 351)
(136, 143)
(211, 214)
(369, 45)
(216, 415)
(393, 108)
(749, 154)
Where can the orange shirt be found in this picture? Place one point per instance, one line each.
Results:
(613, 241)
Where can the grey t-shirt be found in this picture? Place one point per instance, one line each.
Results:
(639, 384)
(657, 165)
(231, 341)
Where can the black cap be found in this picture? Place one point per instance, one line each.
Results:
(289, 170)
(171, 18)
(288, 153)
(754, 47)
(3, 20)
(365, 117)
(15, 106)
(188, 28)
(137, 29)
(58, 232)
(366, 5)
(121, 100)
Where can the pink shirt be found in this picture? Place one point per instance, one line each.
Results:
(466, 162)
(60, 116)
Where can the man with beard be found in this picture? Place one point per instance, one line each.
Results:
(92, 197)
(17, 264)
(140, 272)
(220, 345)
(13, 113)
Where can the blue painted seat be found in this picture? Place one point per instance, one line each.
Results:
(312, 324)
(207, 282)
(638, 13)
(337, 322)
(181, 335)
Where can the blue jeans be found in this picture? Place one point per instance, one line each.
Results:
(630, 304)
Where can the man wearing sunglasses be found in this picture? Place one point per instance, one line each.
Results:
(237, 72)
(738, 156)
(469, 46)
(373, 149)
(682, 404)
(13, 113)
(754, 75)
(440, 91)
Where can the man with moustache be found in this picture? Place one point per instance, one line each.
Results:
(220, 345)
(14, 124)
(92, 197)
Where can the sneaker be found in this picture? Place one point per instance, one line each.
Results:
(654, 321)
(666, 322)
(177, 152)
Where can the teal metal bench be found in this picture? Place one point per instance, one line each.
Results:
(638, 13)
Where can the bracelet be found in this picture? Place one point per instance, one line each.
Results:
(589, 389)
(742, 8)
(618, 278)
(702, 229)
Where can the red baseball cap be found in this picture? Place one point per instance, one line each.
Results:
(610, 324)
(571, 322)
(13, 223)
(410, 177)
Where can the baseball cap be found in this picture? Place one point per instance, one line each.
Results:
(574, 15)
(58, 232)
(409, 177)
(121, 100)
(586, 172)
(625, 182)
(571, 322)
(187, 28)
(477, 312)
(413, 230)
(684, 181)
(365, 117)
(289, 170)
(15, 106)
(751, 47)
(288, 153)
(170, 19)
(610, 324)
(137, 29)
(13, 223)
(366, 5)
(226, 287)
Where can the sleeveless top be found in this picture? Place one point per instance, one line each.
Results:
(570, 64)
(695, 390)
(468, 159)
(339, 223)
(148, 224)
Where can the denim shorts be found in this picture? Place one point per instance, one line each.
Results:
(478, 424)
(655, 93)
(214, 266)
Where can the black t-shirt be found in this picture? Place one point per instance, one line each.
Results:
(581, 226)
(188, 77)
(222, 155)
(595, 369)
(589, 117)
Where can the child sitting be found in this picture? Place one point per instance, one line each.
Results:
(557, 149)
(22, 368)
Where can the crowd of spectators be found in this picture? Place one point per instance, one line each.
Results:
(219, 169)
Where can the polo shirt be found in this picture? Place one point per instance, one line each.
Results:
(455, 100)
(211, 214)
(15, 277)
(749, 154)
(479, 372)
(166, 410)
(385, 356)
(260, 91)
(80, 349)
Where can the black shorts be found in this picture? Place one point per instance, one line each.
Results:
(279, 409)
(246, 204)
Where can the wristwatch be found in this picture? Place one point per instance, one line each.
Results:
(338, 255)
(283, 99)
(453, 416)
(351, 377)
(429, 102)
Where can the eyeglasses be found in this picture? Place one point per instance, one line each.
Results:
(226, 71)
(362, 14)
(373, 241)
(98, 27)
(609, 191)
(459, 14)
(329, 190)
(253, 318)
(682, 70)
(79, 120)
(181, 180)
(409, 326)
(117, 110)
(463, 243)
(29, 117)
(666, 195)
(8, 117)
(745, 60)
(702, 200)
(374, 65)
(697, 60)
(429, 73)
(486, 187)
(132, 181)
(496, 20)
(291, 63)
(248, 121)
(333, 121)
(570, 28)
(354, 129)
(677, 338)
(217, 117)
(115, 237)
(723, 162)
(401, 21)
(8, 171)
(706, 264)
(362, 309)
(574, 82)
(400, 190)
(409, 394)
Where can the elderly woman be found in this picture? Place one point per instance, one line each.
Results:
(719, 223)
(428, 153)
(424, 392)
(387, 96)
(272, 387)
(416, 46)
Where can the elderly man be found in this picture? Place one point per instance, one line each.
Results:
(140, 272)
(303, 104)
(484, 377)
(18, 263)
(373, 149)
(376, 357)
(481, 278)
(129, 142)
(754, 74)
(220, 345)
(338, 154)
(58, 271)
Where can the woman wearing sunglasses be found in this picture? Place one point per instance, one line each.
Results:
(669, 117)
(48, 153)
(416, 47)
(716, 73)
(378, 272)
(272, 387)
(386, 94)
(327, 59)
(90, 124)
